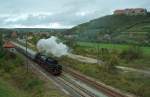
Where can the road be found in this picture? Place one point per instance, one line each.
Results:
(82, 58)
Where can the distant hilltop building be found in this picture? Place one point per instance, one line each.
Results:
(131, 11)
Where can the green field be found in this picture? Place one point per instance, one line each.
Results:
(90, 49)
(110, 46)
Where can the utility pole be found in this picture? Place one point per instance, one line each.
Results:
(1, 42)
(98, 53)
(27, 50)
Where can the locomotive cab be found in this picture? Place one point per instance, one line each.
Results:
(55, 67)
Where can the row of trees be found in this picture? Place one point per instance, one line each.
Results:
(1, 45)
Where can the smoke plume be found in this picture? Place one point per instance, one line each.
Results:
(52, 46)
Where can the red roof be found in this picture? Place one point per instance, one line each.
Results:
(139, 9)
(119, 12)
(14, 34)
(8, 45)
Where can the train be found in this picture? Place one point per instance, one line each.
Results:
(48, 63)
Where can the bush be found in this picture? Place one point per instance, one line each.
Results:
(133, 52)
(13, 69)
(110, 59)
(2, 53)
(32, 83)
(9, 63)
(104, 54)
(35, 86)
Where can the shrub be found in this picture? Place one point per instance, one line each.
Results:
(104, 54)
(34, 86)
(133, 52)
(112, 62)
(32, 83)
(2, 54)
(13, 69)
(110, 58)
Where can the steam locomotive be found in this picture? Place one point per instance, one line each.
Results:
(49, 64)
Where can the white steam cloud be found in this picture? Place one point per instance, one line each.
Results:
(52, 46)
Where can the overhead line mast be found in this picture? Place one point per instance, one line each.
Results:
(27, 51)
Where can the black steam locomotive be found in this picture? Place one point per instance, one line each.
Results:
(49, 64)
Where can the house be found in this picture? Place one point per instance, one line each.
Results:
(9, 46)
(44, 34)
(119, 12)
(140, 11)
(131, 11)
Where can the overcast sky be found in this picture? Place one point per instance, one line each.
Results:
(59, 13)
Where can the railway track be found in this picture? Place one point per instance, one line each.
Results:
(63, 82)
(74, 88)
(107, 90)
(71, 88)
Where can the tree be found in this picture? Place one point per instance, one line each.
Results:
(1, 40)
(104, 54)
(110, 59)
(71, 42)
(148, 38)
(1, 45)
(111, 63)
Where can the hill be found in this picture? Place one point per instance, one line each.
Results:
(37, 30)
(31, 30)
(114, 28)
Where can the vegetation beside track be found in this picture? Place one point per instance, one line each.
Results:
(25, 84)
(7, 90)
(134, 83)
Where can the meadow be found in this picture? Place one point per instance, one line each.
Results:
(91, 45)
(92, 50)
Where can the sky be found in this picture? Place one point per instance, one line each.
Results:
(59, 13)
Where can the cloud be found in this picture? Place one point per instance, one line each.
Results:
(82, 13)
(44, 20)
(56, 13)
(15, 18)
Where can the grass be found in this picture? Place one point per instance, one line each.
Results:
(7, 90)
(137, 84)
(12, 70)
(110, 46)
(134, 83)
(91, 50)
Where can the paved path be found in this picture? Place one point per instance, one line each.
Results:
(82, 58)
